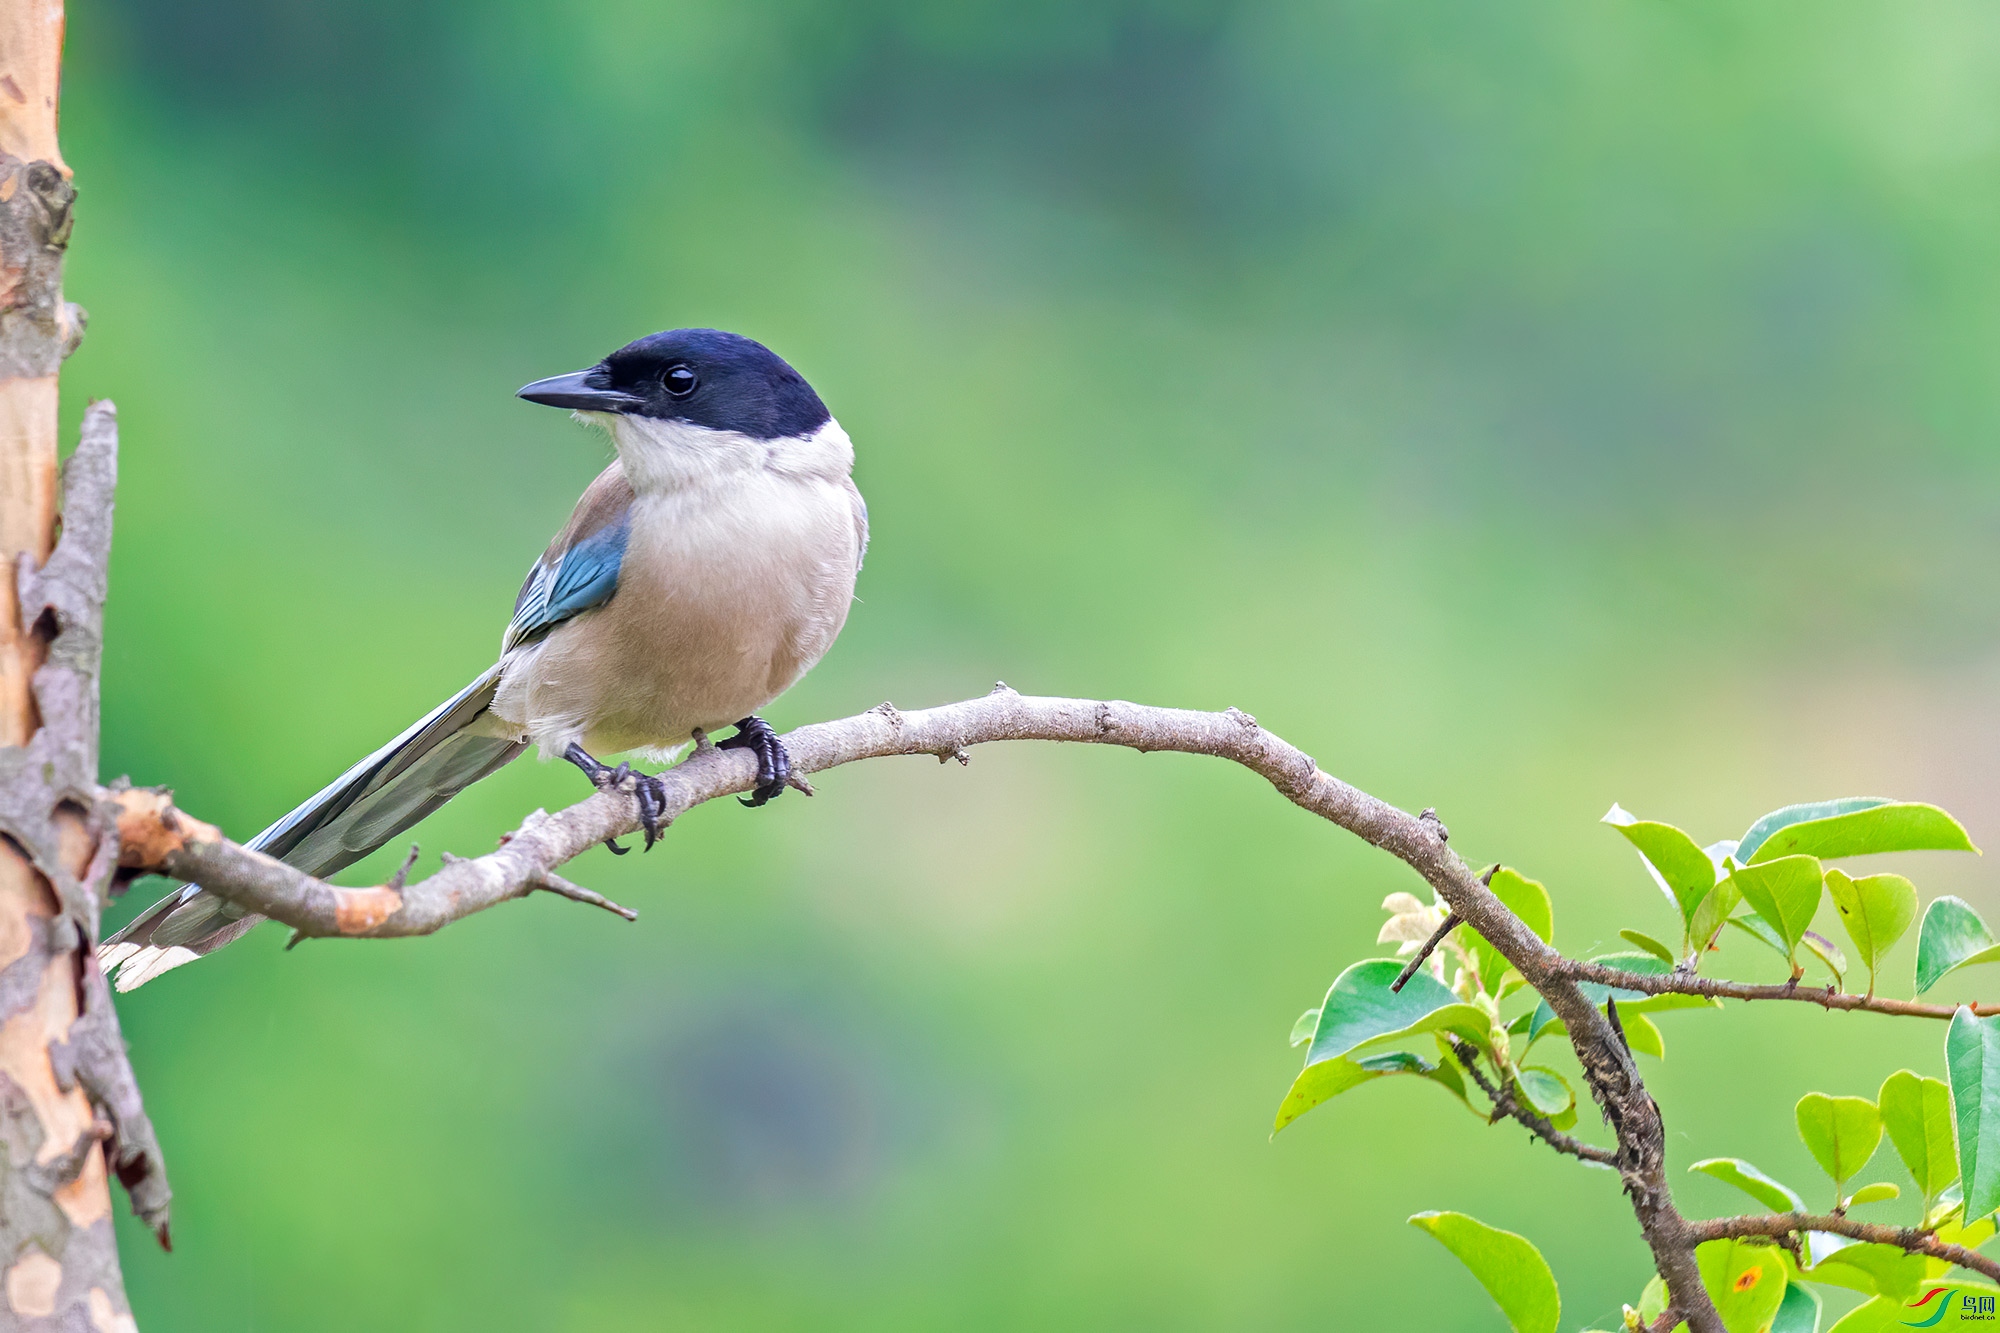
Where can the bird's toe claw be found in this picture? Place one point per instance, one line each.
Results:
(774, 765)
(651, 795)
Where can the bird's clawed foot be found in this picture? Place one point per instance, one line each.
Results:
(649, 792)
(774, 766)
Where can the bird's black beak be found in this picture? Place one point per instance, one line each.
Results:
(576, 392)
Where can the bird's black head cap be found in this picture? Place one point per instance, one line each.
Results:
(705, 377)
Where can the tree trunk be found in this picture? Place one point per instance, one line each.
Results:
(69, 1107)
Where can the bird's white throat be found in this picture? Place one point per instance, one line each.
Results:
(662, 456)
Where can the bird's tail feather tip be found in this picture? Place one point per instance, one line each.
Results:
(113, 954)
(138, 964)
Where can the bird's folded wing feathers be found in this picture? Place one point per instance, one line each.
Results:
(580, 569)
(450, 748)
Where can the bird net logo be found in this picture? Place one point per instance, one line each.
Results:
(1948, 1307)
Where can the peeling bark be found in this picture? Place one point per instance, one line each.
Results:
(70, 1114)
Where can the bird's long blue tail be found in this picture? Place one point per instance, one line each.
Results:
(371, 803)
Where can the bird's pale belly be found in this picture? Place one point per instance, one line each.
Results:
(716, 616)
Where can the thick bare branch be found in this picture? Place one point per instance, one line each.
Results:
(159, 840)
(1789, 1224)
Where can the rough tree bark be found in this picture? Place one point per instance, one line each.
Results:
(67, 1095)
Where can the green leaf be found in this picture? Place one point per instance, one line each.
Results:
(1799, 1312)
(1510, 1268)
(1466, 1021)
(1755, 836)
(1858, 826)
(1713, 911)
(1302, 1031)
(1678, 863)
(1555, 1028)
(1735, 1171)
(1329, 1078)
(1650, 945)
(1887, 1270)
(1873, 1316)
(1876, 910)
(1842, 1133)
(1829, 955)
(1952, 936)
(1762, 931)
(1785, 892)
(1492, 965)
(1547, 1091)
(1880, 1192)
(1653, 1300)
(1952, 1230)
(1360, 1006)
(1746, 1282)
(1916, 1111)
(1643, 1035)
(1972, 1062)
(1829, 1274)
(1325, 1081)
(1357, 1015)
(1527, 899)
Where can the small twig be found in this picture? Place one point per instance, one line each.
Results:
(402, 875)
(1686, 983)
(1913, 1239)
(1507, 1104)
(562, 888)
(1451, 919)
(1666, 1322)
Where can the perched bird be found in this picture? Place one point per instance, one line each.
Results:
(702, 573)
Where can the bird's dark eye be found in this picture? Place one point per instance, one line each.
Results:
(679, 381)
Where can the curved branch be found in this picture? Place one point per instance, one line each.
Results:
(158, 840)
(1913, 1239)
(1677, 983)
(1505, 1103)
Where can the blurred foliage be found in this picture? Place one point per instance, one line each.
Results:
(1513, 406)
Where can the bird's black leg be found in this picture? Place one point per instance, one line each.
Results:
(649, 792)
(774, 766)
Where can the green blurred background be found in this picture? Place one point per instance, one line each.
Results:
(1518, 407)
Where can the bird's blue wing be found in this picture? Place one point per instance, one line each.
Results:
(574, 579)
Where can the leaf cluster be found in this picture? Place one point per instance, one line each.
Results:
(1467, 1021)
